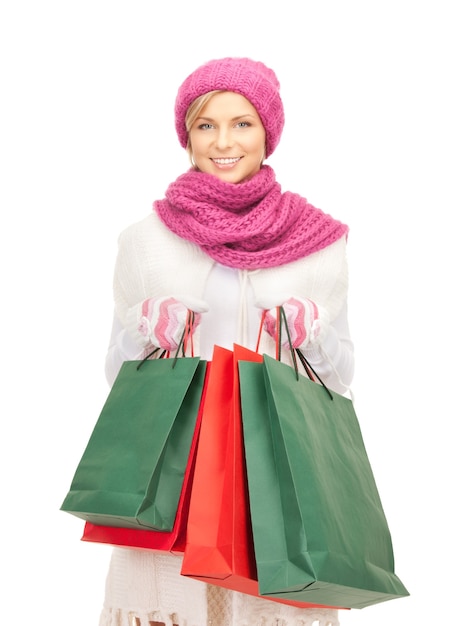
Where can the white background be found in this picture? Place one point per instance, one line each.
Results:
(87, 143)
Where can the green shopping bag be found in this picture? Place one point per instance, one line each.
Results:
(320, 533)
(132, 470)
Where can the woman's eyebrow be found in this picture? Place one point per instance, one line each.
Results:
(233, 119)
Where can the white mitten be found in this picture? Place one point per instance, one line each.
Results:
(163, 320)
(308, 323)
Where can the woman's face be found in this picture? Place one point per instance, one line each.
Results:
(227, 138)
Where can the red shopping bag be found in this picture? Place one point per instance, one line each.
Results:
(219, 546)
(157, 541)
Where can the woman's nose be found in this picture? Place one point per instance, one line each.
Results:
(224, 138)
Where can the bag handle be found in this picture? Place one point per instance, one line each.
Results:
(282, 322)
(186, 336)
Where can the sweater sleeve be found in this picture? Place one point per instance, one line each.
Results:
(122, 347)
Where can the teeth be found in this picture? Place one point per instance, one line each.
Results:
(226, 161)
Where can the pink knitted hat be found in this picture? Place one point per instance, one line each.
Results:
(249, 78)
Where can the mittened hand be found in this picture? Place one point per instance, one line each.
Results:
(163, 320)
(307, 322)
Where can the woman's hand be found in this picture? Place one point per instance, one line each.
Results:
(163, 320)
(308, 323)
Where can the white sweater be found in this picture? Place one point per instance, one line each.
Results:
(153, 262)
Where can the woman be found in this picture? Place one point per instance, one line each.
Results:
(226, 243)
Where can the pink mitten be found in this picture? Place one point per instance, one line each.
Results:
(307, 322)
(163, 321)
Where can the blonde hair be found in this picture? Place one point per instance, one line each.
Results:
(193, 113)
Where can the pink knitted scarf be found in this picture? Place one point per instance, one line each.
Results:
(249, 225)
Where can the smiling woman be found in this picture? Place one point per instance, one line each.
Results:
(227, 138)
(229, 245)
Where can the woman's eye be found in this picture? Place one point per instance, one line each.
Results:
(205, 126)
(243, 124)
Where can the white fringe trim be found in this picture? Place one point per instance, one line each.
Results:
(309, 617)
(312, 617)
(120, 617)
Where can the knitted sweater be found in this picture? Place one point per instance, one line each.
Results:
(152, 262)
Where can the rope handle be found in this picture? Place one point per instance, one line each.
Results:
(295, 352)
(185, 339)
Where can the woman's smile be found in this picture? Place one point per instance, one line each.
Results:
(226, 163)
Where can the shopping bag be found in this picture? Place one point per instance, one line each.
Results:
(131, 472)
(149, 539)
(210, 552)
(320, 532)
(219, 547)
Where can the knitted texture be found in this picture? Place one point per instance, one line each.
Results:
(307, 322)
(152, 261)
(163, 321)
(249, 225)
(249, 78)
(144, 587)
